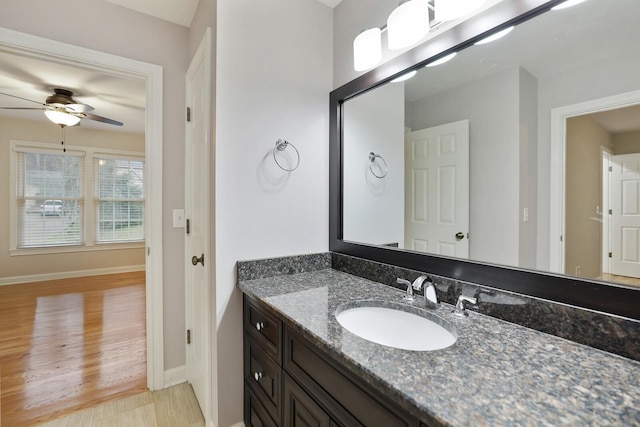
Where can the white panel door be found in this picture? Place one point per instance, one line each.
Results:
(197, 199)
(437, 190)
(625, 215)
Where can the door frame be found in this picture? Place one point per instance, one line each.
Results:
(152, 75)
(606, 205)
(201, 56)
(558, 124)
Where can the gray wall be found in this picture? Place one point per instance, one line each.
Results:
(374, 207)
(274, 64)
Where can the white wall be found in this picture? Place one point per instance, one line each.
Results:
(491, 106)
(374, 207)
(105, 27)
(528, 124)
(274, 66)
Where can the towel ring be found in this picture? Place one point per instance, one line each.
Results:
(372, 158)
(281, 145)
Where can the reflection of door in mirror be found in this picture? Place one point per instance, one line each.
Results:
(603, 195)
(437, 190)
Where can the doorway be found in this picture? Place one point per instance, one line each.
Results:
(54, 51)
(592, 224)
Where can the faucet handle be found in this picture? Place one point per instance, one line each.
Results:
(460, 308)
(409, 295)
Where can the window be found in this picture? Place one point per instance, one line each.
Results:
(120, 199)
(50, 198)
(50, 192)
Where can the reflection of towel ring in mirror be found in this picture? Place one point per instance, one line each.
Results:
(281, 145)
(372, 159)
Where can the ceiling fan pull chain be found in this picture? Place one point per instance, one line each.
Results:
(64, 149)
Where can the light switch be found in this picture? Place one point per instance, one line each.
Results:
(178, 218)
(525, 215)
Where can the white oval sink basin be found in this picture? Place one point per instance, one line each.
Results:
(396, 325)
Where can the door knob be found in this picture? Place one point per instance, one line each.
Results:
(459, 235)
(195, 260)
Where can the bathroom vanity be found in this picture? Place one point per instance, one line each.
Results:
(301, 367)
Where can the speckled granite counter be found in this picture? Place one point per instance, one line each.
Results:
(495, 374)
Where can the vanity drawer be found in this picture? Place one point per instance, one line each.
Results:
(264, 377)
(263, 327)
(256, 415)
(337, 391)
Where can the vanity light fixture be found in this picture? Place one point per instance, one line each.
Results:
(62, 118)
(405, 76)
(367, 49)
(442, 60)
(567, 4)
(496, 36)
(408, 23)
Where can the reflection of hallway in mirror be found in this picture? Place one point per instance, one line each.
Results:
(602, 228)
(623, 280)
(70, 344)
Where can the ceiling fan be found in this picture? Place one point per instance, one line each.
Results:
(62, 109)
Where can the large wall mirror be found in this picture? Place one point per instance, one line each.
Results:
(498, 163)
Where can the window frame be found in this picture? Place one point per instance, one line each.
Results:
(89, 231)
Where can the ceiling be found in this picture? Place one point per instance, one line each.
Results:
(114, 97)
(177, 11)
(553, 43)
(34, 78)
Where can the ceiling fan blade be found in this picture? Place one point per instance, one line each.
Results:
(79, 108)
(102, 119)
(24, 99)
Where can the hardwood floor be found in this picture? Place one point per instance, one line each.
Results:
(633, 281)
(70, 344)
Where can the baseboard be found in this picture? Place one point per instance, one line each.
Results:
(175, 376)
(69, 274)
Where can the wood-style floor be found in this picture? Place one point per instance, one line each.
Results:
(70, 344)
(633, 281)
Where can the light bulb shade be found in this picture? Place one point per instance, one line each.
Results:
(448, 10)
(62, 118)
(367, 49)
(408, 23)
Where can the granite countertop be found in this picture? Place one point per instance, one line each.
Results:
(496, 373)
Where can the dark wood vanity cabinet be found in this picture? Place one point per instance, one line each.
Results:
(290, 382)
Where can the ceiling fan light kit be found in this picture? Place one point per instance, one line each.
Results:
(63, 110)
(62, 118)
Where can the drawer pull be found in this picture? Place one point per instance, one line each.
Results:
(259, 326)
(257, 376)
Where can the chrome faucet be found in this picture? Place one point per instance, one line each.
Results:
(430, 297)
(460, 308)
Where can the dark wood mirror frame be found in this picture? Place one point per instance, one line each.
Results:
(591, 294)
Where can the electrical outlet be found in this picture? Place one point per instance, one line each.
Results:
(178, 218)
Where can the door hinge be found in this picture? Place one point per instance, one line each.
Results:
(188, 114)
(610, 254)
(561, 238)
(148, 250)
(610, 211)
(610, 168)
(188, 336)
(188, 228)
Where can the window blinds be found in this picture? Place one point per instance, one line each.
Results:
(119, 199)
(49, 198)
